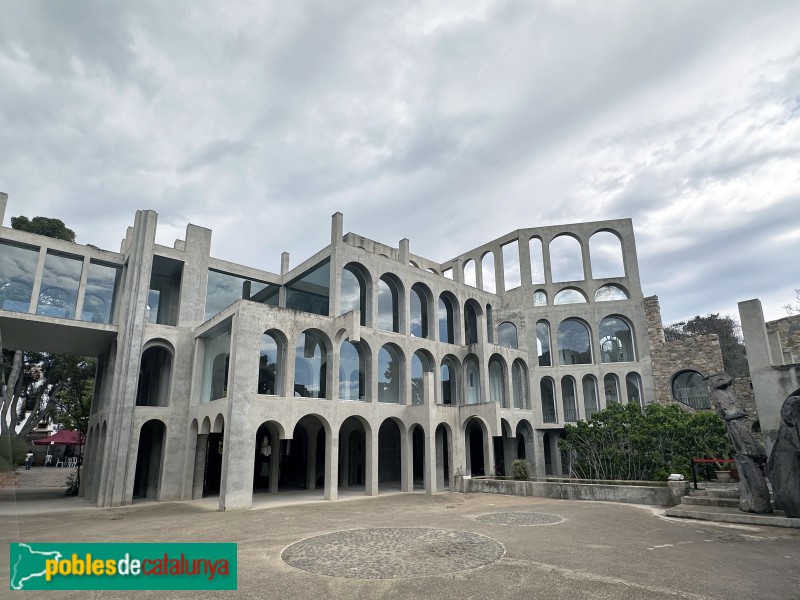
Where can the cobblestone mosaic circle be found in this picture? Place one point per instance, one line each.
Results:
(519, 518)
(392, 553)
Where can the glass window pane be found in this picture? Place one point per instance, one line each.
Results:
(311, 292)
(609, 293)
(634, 388)
(574, 347)
(507, 335)
(310, 366)
(269, 368)
(569, 296)
(224, 289)
(98, 299)
(611, 386)
(60, 281)
(539, 298)
(616, 341)
(216, 358)
(17, 270)
(351, 372)
(389, 375)
(548, 393)
(543, 344)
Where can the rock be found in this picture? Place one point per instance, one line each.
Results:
(753, 491)
(784, 460)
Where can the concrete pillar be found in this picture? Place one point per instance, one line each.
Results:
(403, 254)
(82, 289)
(548, 275)
(499, 271)
(406, 461)
(458, 270)
(488, 454)
(331, 490)
(344, 456)
(509, 454)
(440, 452)
(284, 263)
(525, 262)
(3, 206)
(555, 454)
(537, 461)
(274, 463)
(37, 280)
(311, 460)
(337, 228)
(478, 262)
(587, 262)
(371, 469)
(430, 467)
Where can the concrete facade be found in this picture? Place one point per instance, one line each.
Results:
(773, 353)
(365, 366)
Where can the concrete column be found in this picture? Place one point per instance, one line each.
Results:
(37, 280)
(525, 262)
(499, 271)
(458, 270)
(331, 465)
(555, 454)
(509, 454)
(372, 380)
(548, 275)
(274, 463)
(344, 454)
(440, 452)
(488, 454)
(587, 262)
(371, 469)
(537, 461)
(311, 461)
(478, 262)
(430, 467)
(403, 254)
(82, 289)
(406, 461)
(337, 228)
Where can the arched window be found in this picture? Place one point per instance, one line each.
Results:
(471, 322)
(497, 382)
(388, 304)
(566, 259)
(611, 386)
(446, 320)
(420, 364)
(270, 365)
(155, 373)
(568, 399)
(489, 324)
(352, 371)
(310, 365)
(609, 293)
(605, 251)
(569, 296)
(519, 384)
(590, 405)
(543, 344)
(219, 376)
(616, 341)
(548, 391)
(690, 388)
(633, 383)
(354, 292)
(472, 375)
(537, 260)
(540, 298)
(469, 273)
(419, 309)
(487, 268)
(574, 347)
(449, 376)
(510, 253)
(507, 335)
(390, 369)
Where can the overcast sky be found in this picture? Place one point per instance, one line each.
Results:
(450, 123)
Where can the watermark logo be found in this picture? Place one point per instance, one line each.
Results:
(118, 566)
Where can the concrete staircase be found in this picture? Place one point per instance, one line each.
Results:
(720, 503)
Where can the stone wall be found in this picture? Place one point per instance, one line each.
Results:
(698, 353)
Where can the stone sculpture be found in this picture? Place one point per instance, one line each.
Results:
(748, 450)
(784, 460)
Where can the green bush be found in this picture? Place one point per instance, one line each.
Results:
(12, 452)
(626, 442)
(521, 469)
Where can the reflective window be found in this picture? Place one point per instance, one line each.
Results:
(537, 260)
(469, 273)
(569, 296)
(605, 251)
(473, 380)
(590, 405)
(568, 399)
(574, 346)
(311, 291)
(310, 366)
(690, 388)
(616, 341)
(519, 385)
(224, 289)
(540, 298)
(98, 299)
(352, 371)
(419, 311)
(633, 383)
(470, 322)
(548, 392)
(566, 260)
(448, 374)
(446, 320)
(487, 268)
(489, 324)
(611, 386)
(511, 276)
(389, 374)
(17, 270)
(216, 359)
(610, 292)
(58, 294)
(507, 335)
(419, 366)
(496, 382)
(543, 344)
(270, 365)
(388, 304)
(354, 293)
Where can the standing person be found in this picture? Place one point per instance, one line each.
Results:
(28, 460)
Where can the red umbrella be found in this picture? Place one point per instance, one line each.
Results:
(63, 437)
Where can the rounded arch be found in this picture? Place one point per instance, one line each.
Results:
(540, 298)
(472, 379)
(547, 392)
(605, 253)
(574, 342)
(391, 439)
(689, 387)
(356, 291)
(591, 403)
(616, 340)
(312, 349)
(487, 272)
(420, 311)
(469, 272)
(422, 362)
(544, 347)
(566, 258)
(633, 388)
(448, 315)
(355, 435)
(611, 388)
(477, 436)
(497, 380)
(520, 397)
(569, 399)
(611, 292)
(149, 459)
(354, 359)
(271, 362)
(472, 314)
(449, 376)
(569, 295)
(266, 456)
(391, 366)
(524, 440)
(219, 424)
(159, 342)
(390, 302)
(507, 335)
(155, 374)
(205, 426)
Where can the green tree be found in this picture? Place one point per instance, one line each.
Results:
(729, 332)
(625, 442)
(49, 227)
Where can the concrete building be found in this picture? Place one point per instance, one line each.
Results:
(364, 367)
(773, 353)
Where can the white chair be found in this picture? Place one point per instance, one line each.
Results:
(72, 462)
(48, 459)
(59, 462)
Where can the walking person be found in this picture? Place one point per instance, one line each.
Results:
(28, 460)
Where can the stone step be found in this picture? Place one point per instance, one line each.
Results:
(715, 493)
(722, 514)
(709, 501)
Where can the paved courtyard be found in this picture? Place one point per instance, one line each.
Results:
(445, 546)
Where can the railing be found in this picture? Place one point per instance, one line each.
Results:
(549, 416)
(696, 402)
(570, 415)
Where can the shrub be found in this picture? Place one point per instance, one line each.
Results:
(12, 452)
(521, 469)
